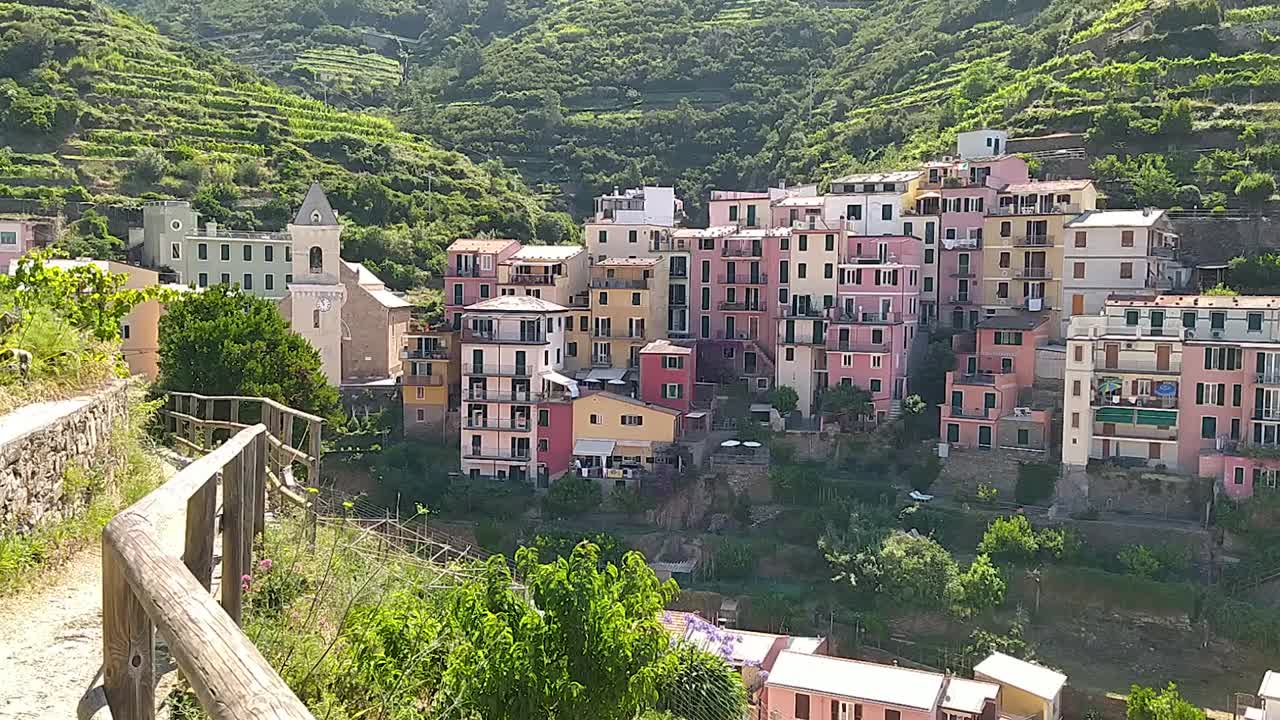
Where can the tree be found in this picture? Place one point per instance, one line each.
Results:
(1112, 124)
(701, 685)
(979, 588)
(222, 341)
(587, 643)
(148, 167)
(1144, 703)
(1220, 290)
(415, 472)
(1138, 560)
(785, 400)
(1255, 189)
(1175, 118)
(1257, 275)
(847, 403)
(1010, 540)
(916, 570)
(87, 297)
(1154, 184)
(572, 495)
(91, 237)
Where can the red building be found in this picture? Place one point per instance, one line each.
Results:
(667, 373)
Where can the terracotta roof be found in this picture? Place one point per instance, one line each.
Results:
(1047, 186)
(666, 347)
(515, 303)
(480, 245)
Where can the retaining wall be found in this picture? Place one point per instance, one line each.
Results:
(39, 442)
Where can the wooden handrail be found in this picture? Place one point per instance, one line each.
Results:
(144, 586)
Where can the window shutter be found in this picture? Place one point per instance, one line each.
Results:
(1222, 391)
(1199, 393)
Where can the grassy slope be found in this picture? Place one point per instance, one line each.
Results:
(101, 87)
(740, 92)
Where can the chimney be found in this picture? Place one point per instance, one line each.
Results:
(1146, 212)
(211, 228)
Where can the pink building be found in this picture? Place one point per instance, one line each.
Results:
(471, 274)
(962, 192)
(16, 238)
(667, 374)
(817, 687)
(555, 437)
(985, 406)
(873, 323)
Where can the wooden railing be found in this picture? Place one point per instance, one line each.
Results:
(144, 587)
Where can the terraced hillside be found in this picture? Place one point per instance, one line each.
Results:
(742, 92)
(95, 105)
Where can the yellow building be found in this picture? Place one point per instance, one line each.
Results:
(628, 309)
(431, 379)
(1022, 245)
(616, 439)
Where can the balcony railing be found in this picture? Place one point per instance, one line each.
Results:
(679, 273)
(1268, 378)
(971, 413)
(964, 273)
(803, 340)
(735, 335)
(842, 317)
(456, 272)
(618, 284)
(979, 378)
(580, 301)
(750, 279)
(503, 396)
(480, 336)
(426, 380)
(810, 313)
(1140, 401)
(1031, 241)
(475, 453)
(746, 251)
(743, 306)
(532, 279)
(601, 361)
(474, 368)
(854, 346)
(1037, 209)
(670, 244)
(485, 423)
(1033, 273)
(960, 300)
(439, 352)
(678, 302)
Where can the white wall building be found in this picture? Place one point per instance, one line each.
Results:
(982, 143)
(873, 203)
(1114, 251)
(512, 350)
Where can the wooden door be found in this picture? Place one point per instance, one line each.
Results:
(1113, 355)
(1077, 304)
(1162, 357)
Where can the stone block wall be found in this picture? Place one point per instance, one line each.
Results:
(39, 442)
(1147, 492)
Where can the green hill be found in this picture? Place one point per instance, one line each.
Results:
(95, 106)
(701, 93)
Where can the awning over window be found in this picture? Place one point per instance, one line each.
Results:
(603, 375)
(1137, 416)
(595, 448)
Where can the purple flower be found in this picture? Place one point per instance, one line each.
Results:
(264, 564)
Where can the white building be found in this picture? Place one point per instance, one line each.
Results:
(1116, 251)
(982, 143)
(874, 203)
(315, 291)
(512, 349)
(1268, 699)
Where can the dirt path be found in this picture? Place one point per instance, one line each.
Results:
(51, 638)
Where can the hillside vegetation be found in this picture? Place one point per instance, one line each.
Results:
(96, 106)
(704, 93)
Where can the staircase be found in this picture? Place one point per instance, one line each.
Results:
(895, 409)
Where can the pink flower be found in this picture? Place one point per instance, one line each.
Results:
(264, 564)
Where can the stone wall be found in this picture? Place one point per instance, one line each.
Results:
(39, 442)
(1146, 492)
(962, 470)
(1208, 241)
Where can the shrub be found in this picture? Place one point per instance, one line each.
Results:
(735, 559)
(1140, 561)
(1036, 483)
(572, 495)
(1010, 540)
(701, 685)
(148, 166)
(1255, 189)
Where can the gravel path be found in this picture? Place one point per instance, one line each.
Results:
(51, 639)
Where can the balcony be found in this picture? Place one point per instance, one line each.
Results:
(456, 272)
(743, 306)
(735, 279)
(971, 413)
(484, 423)
(482, 336)
(1269, 414)
(424, 380)
(742, 251)
(869, 258)
(1037, 209)
(964, 273)
(601, 361)
(496, 370)
(978, 378)
(1033, 273)
(1120, 415)
(679, 273)
(843, 317)
(803, 340)
(1106, 400)
(670, 244)
(735, 335)
(618, 284)
(475, 453)
(961, 300)
(1267, 378)
(858, 347)
(678, 302)
(1033, 241)
(501, 396)
(439, 352)
(814, 223)
(581, 300)
(802, 313)
(532, 279)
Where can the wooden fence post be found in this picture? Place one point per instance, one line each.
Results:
(197, 552)
(260, 484)
(233, 536)
(128, 667)
(249, 504)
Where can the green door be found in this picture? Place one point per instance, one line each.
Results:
(984, 436)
